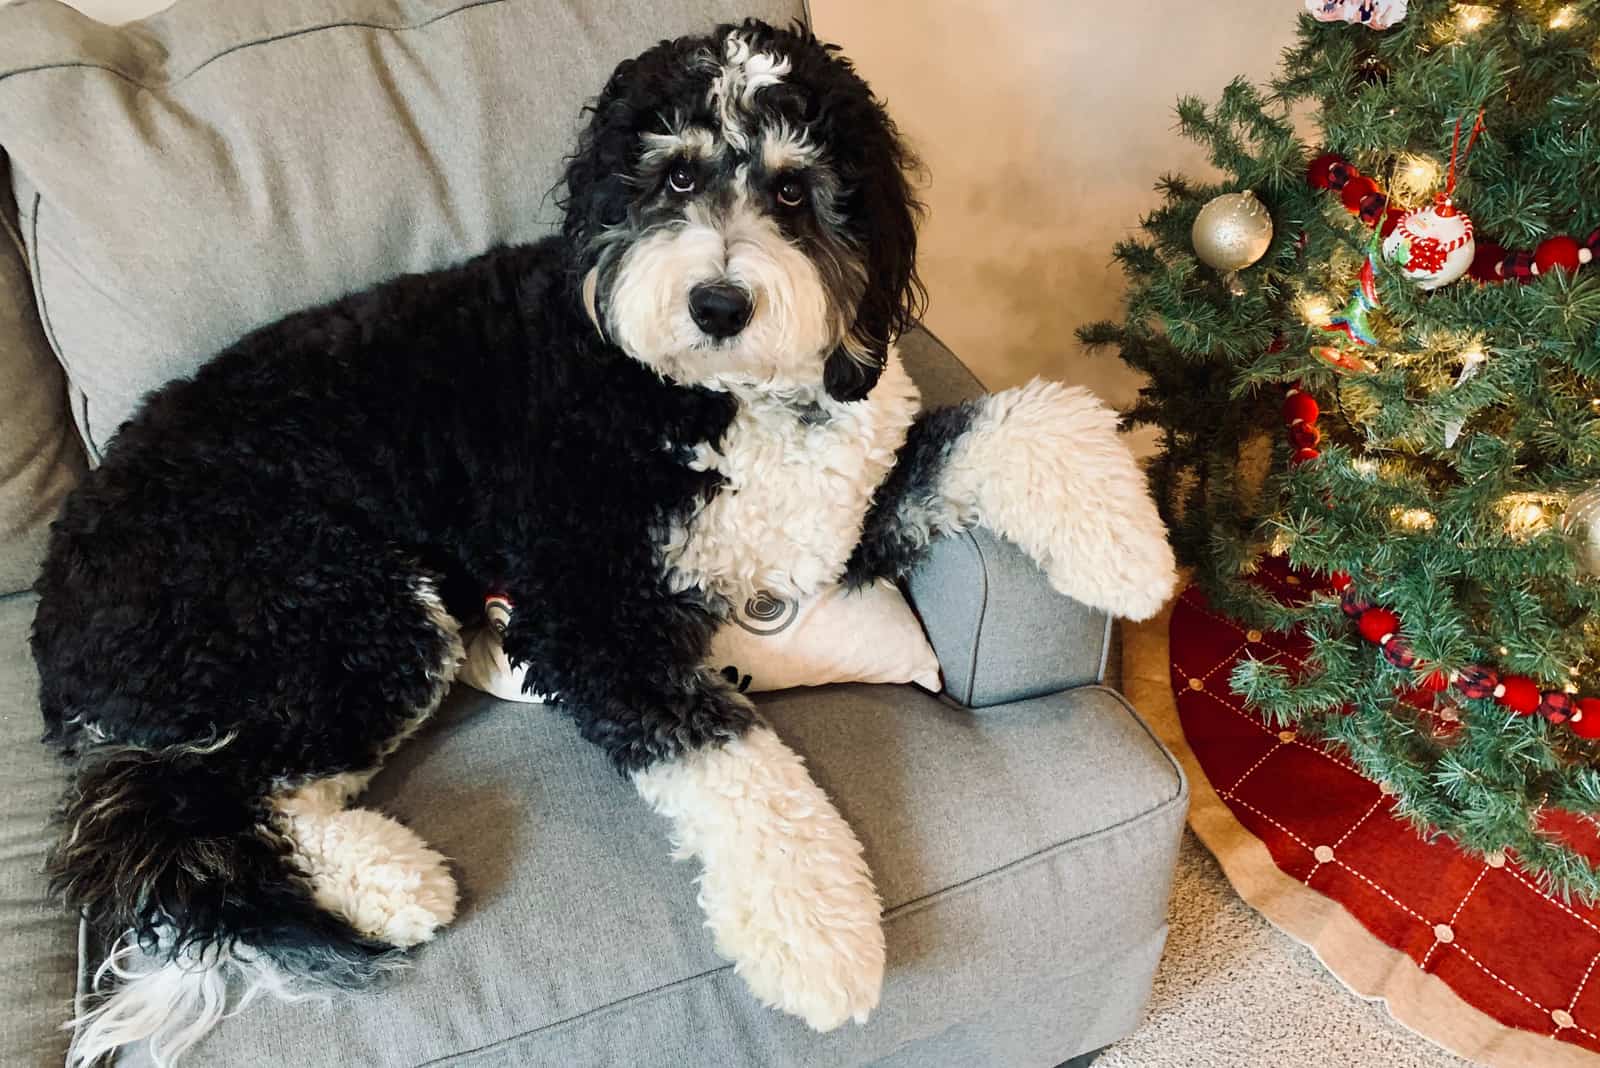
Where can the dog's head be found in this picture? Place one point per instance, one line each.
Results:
(741, 215)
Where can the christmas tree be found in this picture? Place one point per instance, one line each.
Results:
(1379, 355)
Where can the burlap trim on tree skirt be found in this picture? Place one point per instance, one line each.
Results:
(1367, 966)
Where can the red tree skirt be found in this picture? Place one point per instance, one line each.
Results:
(1482, 926)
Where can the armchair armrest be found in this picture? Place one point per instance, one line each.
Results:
(1000, 631)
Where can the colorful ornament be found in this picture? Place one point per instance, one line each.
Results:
(1232, 231)
(1373, 14)
(1353, 320)
(1341, 360)
(1432, 246)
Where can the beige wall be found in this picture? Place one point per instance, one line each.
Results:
(1044, 124)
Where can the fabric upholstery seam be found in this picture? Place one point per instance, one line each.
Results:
(983, 614)
(244, 45)
(906, 908)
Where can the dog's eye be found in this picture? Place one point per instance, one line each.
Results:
(680, 179)
(791, 191)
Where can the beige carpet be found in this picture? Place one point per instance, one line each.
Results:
(1233, 991)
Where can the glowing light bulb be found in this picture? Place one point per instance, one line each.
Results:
(1415, 179)
(1414, 518)
(1316, 310)
(1470, 18)
(1366, 467)
(1565, 16)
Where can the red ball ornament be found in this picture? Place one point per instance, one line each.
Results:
(1553, 252)
(1303, 454)
(1585, 722)
(1486, 259)
(1391, 219)
(1300, 407)
(1339, 581)
(1377, 624)
(1518, 693)
(1319, 175)
(1305, 435)
(1355, 191)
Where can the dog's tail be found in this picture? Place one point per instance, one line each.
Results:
(170, 848)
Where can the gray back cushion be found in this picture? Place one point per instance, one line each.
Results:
(183, 180)
(40, 459)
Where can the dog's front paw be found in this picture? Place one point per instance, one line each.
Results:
(1043, 466)
(785, 890)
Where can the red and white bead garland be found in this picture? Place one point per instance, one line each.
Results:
(1490, 263)
(1516, 693)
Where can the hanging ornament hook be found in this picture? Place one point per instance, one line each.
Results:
(1478, 127)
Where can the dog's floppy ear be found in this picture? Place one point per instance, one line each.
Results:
(885, 213)
(594, 193)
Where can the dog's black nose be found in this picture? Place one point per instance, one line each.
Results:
(721, 311)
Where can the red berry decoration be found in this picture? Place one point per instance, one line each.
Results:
(1518, 693)
(1377, 624)
(1585, 722)
(1477, 682)
(1372, 208)
(1355, 191)
(1353, 605)
(1319, 175)
(1486, 262)
(1303, 455)
(1398, 652)
(1339, 581)
(1556, 706)
(1556, 252)
(1305, 435)
(1300, 407)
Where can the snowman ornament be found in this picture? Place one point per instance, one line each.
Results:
(1431, 246)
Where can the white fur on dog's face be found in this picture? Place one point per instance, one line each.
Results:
(793, 326)
(742, 176)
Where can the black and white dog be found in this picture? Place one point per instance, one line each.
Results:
(689, 395)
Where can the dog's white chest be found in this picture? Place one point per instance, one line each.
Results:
(794, 493)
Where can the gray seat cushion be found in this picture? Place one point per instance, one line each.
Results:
(186, 179)
(1022, 855)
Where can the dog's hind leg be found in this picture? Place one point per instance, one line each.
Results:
(365, 867)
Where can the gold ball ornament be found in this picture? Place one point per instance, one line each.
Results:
(1580, 524)
(1232, 231)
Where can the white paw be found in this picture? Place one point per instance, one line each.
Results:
(1043, 466)
(785, 890)
(373, 871)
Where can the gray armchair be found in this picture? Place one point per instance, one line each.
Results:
(1022, 828)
